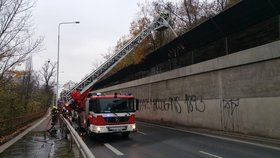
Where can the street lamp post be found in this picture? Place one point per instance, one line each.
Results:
(58, 42)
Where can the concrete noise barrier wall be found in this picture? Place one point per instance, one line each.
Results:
(239, 92)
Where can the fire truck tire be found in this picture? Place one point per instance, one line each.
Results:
(125, 134)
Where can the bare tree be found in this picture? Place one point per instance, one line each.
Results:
(48, 72)
(110, 52)
(208, 8)
(16, 37)
(191, 9)
(27, 84)
(96, 64)
(68, 85)
(224, 4)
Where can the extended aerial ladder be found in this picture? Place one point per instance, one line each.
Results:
(86, 84)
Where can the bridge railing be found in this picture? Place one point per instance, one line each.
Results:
(82, 147)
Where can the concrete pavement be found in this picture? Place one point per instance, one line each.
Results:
(35, 142)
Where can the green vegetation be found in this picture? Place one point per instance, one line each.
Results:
(23, 95)
(20, 90)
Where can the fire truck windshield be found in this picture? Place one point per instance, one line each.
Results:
(108, 105)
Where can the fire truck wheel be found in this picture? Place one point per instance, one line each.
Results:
(125, 134)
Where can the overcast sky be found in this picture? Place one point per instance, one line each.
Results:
(103, 22)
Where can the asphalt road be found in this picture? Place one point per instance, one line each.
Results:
(156, 141)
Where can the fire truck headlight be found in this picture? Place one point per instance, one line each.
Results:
(133, 127)
(98, 129)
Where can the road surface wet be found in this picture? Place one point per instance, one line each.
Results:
(40, 144)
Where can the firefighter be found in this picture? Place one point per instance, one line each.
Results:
(164, 15)
(78, 111)
(54, 113)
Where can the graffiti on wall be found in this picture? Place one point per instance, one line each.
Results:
(230, 114)
(194, 103)
(165, 104)
(144, 104)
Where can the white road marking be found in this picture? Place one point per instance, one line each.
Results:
(215, 136)
(142, 133)
(116, 151)
(206, 153)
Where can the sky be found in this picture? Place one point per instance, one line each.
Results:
(102, 23)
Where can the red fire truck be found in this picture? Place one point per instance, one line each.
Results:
(111, 113)
(108, 113)
(100, 113)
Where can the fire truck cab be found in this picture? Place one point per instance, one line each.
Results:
(111, 113)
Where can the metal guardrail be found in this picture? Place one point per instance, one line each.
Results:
(83, 148)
